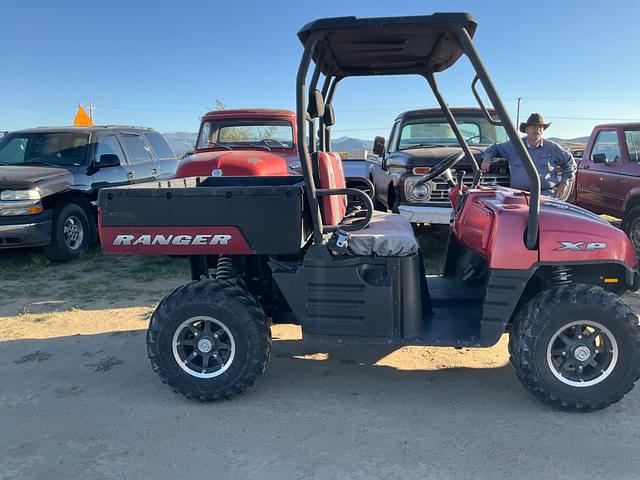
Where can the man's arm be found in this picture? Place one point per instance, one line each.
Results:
(494, 150)
(565, 161)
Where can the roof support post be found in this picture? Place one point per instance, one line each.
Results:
(303, 147)
(322, 128)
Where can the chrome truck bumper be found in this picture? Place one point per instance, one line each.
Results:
(420, 214)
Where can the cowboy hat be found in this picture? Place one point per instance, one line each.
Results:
(534, 119)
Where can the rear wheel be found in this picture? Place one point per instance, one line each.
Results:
(576, 347)
(209, 340)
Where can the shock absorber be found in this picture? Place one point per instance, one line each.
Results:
(224, 267)
(561, 275)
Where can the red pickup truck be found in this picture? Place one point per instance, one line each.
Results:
(608, 178)
(244, 142)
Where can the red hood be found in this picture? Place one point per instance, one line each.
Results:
(233, 163)
(570, 233)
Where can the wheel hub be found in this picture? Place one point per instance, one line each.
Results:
(73, 233)
(582, 353)
(205, 345)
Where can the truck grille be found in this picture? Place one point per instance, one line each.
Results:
(440, 191)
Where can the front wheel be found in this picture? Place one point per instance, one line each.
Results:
(209, 340)
(576, 347)
(70, 233)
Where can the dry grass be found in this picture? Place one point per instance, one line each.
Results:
(30, 283)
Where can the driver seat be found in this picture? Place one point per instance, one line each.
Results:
(387, 235)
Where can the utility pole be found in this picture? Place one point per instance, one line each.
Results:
(91, 109)
(518, 113)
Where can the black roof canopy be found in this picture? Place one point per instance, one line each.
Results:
(351, 46)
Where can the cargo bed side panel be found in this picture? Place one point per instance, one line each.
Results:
(223, 217)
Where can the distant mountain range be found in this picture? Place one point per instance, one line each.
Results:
(182, 142)
(564, 141)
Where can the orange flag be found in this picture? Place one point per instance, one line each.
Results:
(82, 118)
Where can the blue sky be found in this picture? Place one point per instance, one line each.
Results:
(163, 64)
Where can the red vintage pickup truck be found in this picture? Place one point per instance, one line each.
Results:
(246, 142)
(608, 178)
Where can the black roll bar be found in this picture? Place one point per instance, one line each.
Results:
(481, 103)
(358, 224)
(322, 128)
(531, 239)
(303, 148)
(313, 138)
(329, 101)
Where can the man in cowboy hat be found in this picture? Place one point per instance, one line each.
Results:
(555, 165)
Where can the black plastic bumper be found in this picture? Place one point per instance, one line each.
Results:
(25, 230)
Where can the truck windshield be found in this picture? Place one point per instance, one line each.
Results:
(247, 133)
(437, 131)
(61, 148)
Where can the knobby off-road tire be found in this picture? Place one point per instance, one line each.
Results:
(576, 347)
(216, 319)
(631, 226)
(70, 235)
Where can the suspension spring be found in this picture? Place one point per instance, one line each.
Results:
(224, 267)
(561, 275)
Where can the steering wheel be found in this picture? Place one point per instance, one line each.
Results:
(442, 167)
(480, 137)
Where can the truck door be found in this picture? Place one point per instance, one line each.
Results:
(113, 175)
(166, 159)
(598, 182)
(139, 154)
(630, 177)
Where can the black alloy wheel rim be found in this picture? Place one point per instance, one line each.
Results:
(203, 347)
(582, 353)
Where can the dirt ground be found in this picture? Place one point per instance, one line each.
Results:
(78, 398)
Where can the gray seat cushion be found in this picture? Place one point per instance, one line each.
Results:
(388, 235)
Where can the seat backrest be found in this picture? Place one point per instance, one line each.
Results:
(338, 169)
(331, 175)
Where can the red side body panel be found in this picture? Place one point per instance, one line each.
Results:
(493, 223)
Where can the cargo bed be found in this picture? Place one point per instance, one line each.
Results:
(215, 215)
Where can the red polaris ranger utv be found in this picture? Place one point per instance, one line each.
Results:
(281, 249)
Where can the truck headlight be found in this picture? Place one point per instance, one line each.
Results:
(420, 192)
(12, 195)
(415, 192)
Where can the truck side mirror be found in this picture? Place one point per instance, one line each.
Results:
(378, 146)
(599, 158)
(108, 160)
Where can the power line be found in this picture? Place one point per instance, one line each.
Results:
(550, 117)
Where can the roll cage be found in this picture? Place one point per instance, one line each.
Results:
(421, 45)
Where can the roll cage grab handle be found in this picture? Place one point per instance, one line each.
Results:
(531, 238)
(464, 39)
